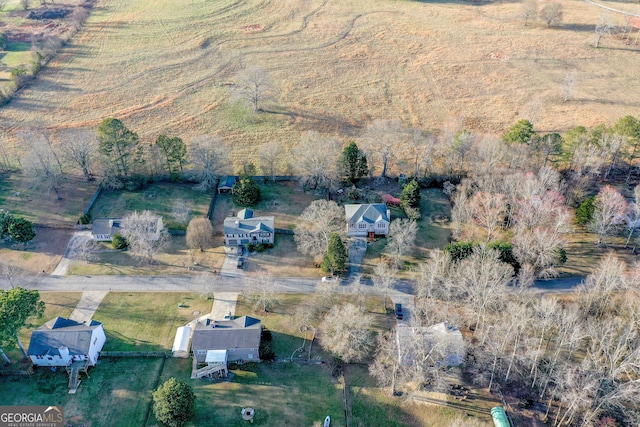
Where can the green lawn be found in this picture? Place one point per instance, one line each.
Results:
(158, 198)
(118, 392)
(147, 321)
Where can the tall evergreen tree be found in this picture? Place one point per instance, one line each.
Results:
(520, 133)
(120, 145)
(410, 196)
(174, 151)
(336, 259)
(246, 192)
(354, 162)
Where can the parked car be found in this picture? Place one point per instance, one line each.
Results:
(240, 250)
(329, 279)
(399, 313)
(240, 263)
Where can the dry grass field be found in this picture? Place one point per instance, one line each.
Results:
(169, 67)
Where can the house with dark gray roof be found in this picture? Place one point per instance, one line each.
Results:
(244, 228)
(367, 220)
(239, 339)
(60, 342)
(104, 229)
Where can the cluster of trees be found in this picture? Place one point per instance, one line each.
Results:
(550, 15)
(18, 229)
(580, 356)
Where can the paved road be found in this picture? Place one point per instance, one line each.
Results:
(229, 284)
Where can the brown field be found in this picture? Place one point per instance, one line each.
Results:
(169, 68)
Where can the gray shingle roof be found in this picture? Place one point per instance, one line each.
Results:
(105, 226)
(235, 225)
(366, 213)
(61, 332)
(245, 214)
(243, 332)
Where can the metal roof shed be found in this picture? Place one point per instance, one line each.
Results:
(181, 342)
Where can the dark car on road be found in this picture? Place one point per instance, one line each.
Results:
(399, 313)
(240, 263)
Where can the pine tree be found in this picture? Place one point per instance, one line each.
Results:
(336, 259)
(410, 196)
(246, 192)
(354, 162)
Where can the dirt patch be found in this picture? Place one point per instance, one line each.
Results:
(43, 253)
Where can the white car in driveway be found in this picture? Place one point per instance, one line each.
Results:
(329, 279)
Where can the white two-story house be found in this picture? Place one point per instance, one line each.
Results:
(367, 220)
(245, 228)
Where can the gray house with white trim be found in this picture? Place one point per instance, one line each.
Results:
(240, 338)
(244, 228)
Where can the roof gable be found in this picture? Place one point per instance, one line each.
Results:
(61, 332)
(366, 213)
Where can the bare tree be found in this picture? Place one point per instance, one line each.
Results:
(40, 161)
(529, 11)
(25, 4)
(386, 365)
(569, 84)
(199, 234)
(317, 223)
(180, 211)
(142, 235)
(316, 158)
(79, 16)
(13, 275)
(210, 158)
(480, 280)
(86, 250)
(610, 210)
(633, 214)
(604, 27)
(346, 333)
(384, 276)
(488, 212)
(260, 292)
(551, 14)
(402, 237)
(595, 294)
(273, 157)
(3, 4)
(381, 141)
(255, 86)
(539, 248)
(79, 147)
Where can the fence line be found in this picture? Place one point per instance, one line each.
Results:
(134, 354)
